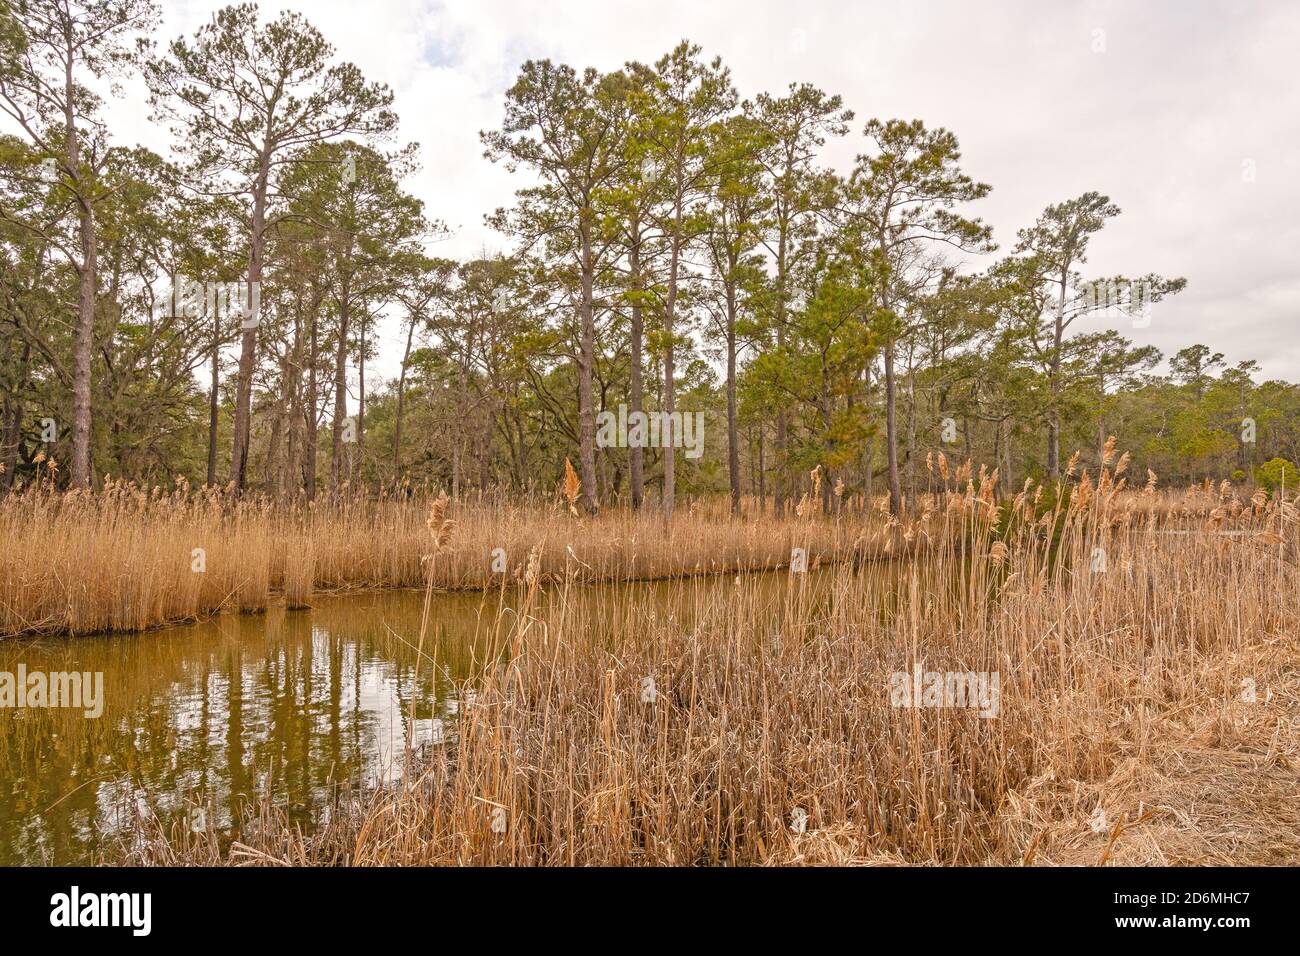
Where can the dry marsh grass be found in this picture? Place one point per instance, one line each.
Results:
(1148, 709)
(125, 558)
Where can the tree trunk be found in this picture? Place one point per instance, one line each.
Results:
(778, 507)
(309, 405)
(586, 368)
(733, 444)
(11, 427)
(455, 467)
(1008, 478)
(275, 444)
(401, 400)
(666, 437)
(911, 428)
(340, 385)
(485, 453)
(824, 413)
(85, 339)
(636, 389)
(360, 458)
(1054, 414)
(891, 431)
(248, 341)
(868, 456)
(292, 480)
(214, 398)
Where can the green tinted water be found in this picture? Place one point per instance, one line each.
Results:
(201, 721)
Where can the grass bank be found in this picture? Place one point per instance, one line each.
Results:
(128, 558)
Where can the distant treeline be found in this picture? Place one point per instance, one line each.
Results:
(675, 248)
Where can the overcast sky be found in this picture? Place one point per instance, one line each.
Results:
(1186, 113)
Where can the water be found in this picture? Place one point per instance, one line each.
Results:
(201, 721)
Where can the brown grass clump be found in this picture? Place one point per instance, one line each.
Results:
(1149, 697)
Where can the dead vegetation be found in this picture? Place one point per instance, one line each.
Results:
(1148, 712)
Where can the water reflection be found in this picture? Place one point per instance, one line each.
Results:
(293, 704)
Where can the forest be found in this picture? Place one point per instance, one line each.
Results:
(676, 246)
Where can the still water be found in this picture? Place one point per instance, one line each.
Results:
(201, 721)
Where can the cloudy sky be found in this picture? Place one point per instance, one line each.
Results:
(1185, 112)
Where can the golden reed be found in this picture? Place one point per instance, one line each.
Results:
(1146, 658)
